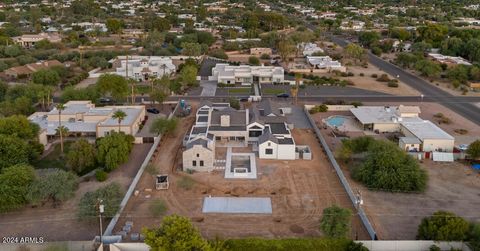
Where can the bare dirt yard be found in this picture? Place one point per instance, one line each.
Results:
(299, 190)
(369, 83)
(452, 186)
(60, 223)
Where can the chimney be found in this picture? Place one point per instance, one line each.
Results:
(225, 120)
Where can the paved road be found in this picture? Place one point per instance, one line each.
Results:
(433, 93)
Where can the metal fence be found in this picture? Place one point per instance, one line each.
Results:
(342, 178)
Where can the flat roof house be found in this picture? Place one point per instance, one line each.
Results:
(142, 68)
(82, 118)
(29, 40)
(419, 134)
(246, 74)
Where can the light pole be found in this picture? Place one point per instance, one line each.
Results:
(421, 98)
(101, 210)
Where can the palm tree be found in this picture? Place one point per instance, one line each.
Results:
(119, 115)
(61, 130)
(60, 107)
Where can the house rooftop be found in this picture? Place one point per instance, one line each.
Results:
(425, 129)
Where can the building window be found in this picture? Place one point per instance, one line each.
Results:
(269, 151)
(194, 163)
(201, 162)
(269, 144)
(232, 138)
(218, 138)
(198, 155)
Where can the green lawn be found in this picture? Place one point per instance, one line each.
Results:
(242, 90)
(273, 91)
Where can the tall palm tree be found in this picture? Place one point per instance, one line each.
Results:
(60, 107)
(61, 130)
(119, 115)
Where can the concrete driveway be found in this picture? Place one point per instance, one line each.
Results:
(209, 88)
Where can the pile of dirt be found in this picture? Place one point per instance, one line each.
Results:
(258, 191)
(284, 191)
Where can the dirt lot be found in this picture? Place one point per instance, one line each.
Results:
(369, 83)
(453, 186)
(60, 224)
(299, 190)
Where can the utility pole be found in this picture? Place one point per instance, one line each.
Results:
(101, 210)
(358, 204)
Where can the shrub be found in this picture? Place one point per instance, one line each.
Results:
(158, 208)
(362, 74)
(383, 78)
(353, 246)
(264, 56)
(443, 226)
(392, 84)
(374, 75)
(101, 175)
(253, 60)
(434, 248)
(350, 74)
(318, 244)
(461, 131)
(335, 221)
(377, 51)
(319, 108)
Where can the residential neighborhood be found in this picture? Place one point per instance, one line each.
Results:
(239, 125)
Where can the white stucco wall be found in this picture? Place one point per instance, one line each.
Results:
(430, 145)
(265, 145)
(286, 152)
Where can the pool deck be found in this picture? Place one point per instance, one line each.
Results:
(349, 124)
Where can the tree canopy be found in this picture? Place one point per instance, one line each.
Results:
(115, 85)
(443, 226)
(111, 196)
(335, 221)
(114, 149)
(387, 167)
(474, 149)
(56, 185)
(176, 233)
(45, 77)
(164, 126)
(81, 156)
(14, 184)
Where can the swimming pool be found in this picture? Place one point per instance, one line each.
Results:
(335, 121)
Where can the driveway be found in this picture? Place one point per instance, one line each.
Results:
(209, 88)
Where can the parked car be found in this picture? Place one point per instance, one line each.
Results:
(105, 101)
(243, 99)
(153, 110)
(283, 95)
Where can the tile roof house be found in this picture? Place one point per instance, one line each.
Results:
(29, 69)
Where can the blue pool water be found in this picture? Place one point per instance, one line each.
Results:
(335, 121)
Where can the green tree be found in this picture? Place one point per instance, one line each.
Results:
(389, 168)
(45, 77)
(176, 233)
(19, 126)
(368, 38)
(14, 184)
(458, 73)
(55, 185)
(188, 74)
(428, 68)
(81, 156)
(115, 85)
(286, 49)
(111, 195)
(406, 60)
(474, 149)
(252, 60)
(421, 47)
(164, 126)
(443, 226)
(119, 115)
(400, 33)
(191, 49)
(13, 151)
(114, 150)
(12, 51)
(354, 51)
(114, 25)
(335, 222)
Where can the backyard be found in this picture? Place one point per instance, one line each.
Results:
(299, 191)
